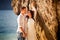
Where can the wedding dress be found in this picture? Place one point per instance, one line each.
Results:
(31, 30)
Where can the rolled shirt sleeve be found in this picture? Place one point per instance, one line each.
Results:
(20, 23)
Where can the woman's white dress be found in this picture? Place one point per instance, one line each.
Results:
(31, 30)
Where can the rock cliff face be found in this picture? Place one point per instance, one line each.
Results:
(47, 17)
(58, 16)
(47, 21)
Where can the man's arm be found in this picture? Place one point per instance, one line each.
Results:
(22, 30)
(24, 34)
(20, 23)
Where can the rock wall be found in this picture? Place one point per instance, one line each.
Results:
(47, 17)
(58, 11)
(47, 21)
(58, 16)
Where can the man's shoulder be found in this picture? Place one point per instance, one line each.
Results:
(20, 15)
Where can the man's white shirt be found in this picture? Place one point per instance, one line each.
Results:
(22, 22)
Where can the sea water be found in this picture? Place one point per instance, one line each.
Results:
(8, 25)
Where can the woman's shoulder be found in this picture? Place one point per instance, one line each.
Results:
(31, 20)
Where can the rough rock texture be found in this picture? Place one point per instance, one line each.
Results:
(47, 17)
(58, 16)
(46, 20)
(58, 11)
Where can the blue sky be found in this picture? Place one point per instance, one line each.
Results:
(5, 5)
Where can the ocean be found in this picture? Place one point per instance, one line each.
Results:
(8, 25)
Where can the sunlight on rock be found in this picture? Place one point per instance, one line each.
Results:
(46, 22)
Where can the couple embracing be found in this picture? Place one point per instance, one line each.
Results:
(26, 29)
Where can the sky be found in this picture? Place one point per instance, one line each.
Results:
(5, 5)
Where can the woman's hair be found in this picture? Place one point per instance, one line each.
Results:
(32, 13)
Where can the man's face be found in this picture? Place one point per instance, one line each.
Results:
(24, 11)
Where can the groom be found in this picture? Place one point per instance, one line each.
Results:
(22, 24)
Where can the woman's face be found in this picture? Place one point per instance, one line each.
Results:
(29, 14)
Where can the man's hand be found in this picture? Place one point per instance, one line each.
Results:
(24, 34)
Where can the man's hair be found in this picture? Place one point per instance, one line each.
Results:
(23, 8)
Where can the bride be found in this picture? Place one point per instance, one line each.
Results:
(31, 29)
